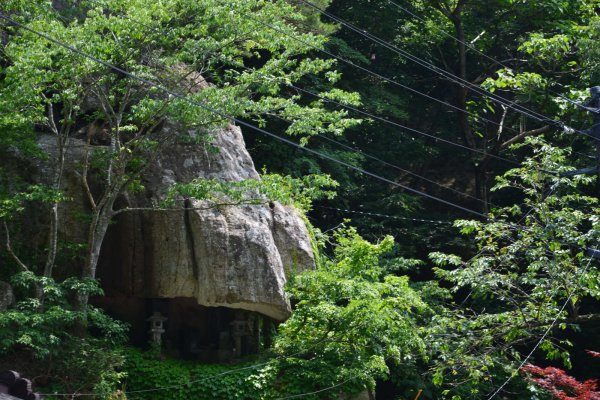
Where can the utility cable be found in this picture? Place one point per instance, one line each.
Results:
(575, 103)
(354, 65)
(407, 11)
(371, 115)
(346, 146)
(358, 151)
(404, 127)
(554, 321)
(224, 115)
(389, 80)
(349, 147)
(448, 75)
(380, 119)
(470, 46)
(232, 118)
(385, 215)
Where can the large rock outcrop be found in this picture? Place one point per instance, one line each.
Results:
(233, 256)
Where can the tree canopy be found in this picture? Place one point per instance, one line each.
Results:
(476, 103)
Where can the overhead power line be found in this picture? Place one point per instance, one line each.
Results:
(372, 73)
(385, 120)
(446, 74)
(381, 161)
(290, 142)
(475, 49)
(240, 122)
(382, 119)
(546, 333)
(470, 46)
(365, 113)
(489, 58)
(351, 108)
(371, 214)
(358, 151)
(226, 116)
(404, 127)
(386, 79)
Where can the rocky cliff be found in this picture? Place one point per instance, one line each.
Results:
(232, 256)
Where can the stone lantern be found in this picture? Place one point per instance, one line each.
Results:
(240, 328)
(156, 327)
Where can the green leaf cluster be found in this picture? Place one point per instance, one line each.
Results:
(44, 327)
(351, 320)
(531, 271)
(171, 379)
(47, 330)
(299, 192)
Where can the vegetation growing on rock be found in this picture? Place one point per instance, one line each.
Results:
(475, 103)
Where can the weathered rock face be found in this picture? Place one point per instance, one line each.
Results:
(233, 256)
(7, 297)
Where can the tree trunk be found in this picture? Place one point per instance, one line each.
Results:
(53, 234)
(62, 135)
(481, 186)
(97, 233)
(462, 98)
(462, 91)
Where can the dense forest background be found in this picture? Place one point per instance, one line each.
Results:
(462, 255)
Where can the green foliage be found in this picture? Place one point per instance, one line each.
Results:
(550, 50)
(355, 320)
(525, 84)
(97, 364)
(299, 192)
(589, 51)
(224, 58)
(14, 203)
(531, 261)
(350, 321)
(312, 20)
(46, 328)
(182, 380)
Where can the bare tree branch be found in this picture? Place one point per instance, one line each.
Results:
(501, 125)
(10, 251)
(523, 135)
